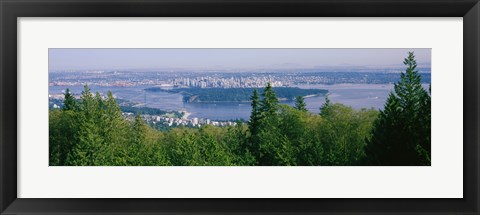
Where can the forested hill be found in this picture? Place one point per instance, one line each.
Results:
(235, 94)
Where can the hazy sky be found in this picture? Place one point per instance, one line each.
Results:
(123, 59)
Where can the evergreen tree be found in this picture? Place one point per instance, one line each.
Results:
(324, 110)
(99, 105)
(235, 140)
(269, 134)
(69, 102)
(113, 110)
(139, 129)
(89, 137)
(401, 135)
(269, 104)
(115, 128)
(113, 115)
(300, 104)
(138, 140)
(88, 103)
(255, 114)
(62, 136)
(253, 124)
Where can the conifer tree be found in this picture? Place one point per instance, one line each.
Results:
(139, 130)
(269, 135)
(324, 110)
(89, 138)
(269, 104)
(401, 135)
(113, 110)
(253, 124)
(113, 117)
(69, 102)
(114, 129)
(88, 102)
(138, 137)
(100, 105)
(300, 104)
(255, 115)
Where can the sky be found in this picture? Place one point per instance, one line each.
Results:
(238, 58)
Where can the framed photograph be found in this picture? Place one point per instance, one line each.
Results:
(261, 107)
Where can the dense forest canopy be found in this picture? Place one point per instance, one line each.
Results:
(92, 132)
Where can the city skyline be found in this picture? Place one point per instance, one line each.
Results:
(227, 59)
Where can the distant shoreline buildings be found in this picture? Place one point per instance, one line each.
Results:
(218, 79)
(175, 122)
(224, 79)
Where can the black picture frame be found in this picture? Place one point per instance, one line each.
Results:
(10, 10)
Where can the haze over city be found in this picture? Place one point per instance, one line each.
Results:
(74, 59)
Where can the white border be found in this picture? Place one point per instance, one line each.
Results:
(443, 179)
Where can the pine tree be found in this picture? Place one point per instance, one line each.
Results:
(88, 102)
(114, 129)
(324, 110)
(269, 104)
(269, 133)
(62, 136)
(401, 135)
(138, 143)
(253, 124)
(255, 115)
(63, 131)
(300, 104)
(89, 137)
(113, 110)
(113, 114)
(139, 129)
(69, 102)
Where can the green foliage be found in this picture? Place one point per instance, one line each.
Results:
(300, 104)
(69, 101)
(272, 146)
(198, 147)
(93, 132)
(62, 136)
(402, 132)
(269, 104)
(293, 125)
(324, 110)
(344, 133)
(254, 125)
(237, 140)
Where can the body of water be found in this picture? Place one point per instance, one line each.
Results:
(355, 95)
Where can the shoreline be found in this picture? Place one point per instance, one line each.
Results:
(243, 102)
(186, 114)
